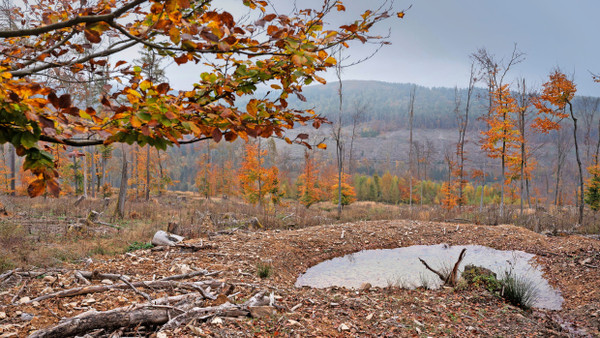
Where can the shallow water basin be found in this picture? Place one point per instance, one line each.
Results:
(401, 267)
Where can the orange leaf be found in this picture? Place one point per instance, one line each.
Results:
(36, 187)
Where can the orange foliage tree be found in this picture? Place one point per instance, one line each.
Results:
(309, 191)
(52, 38)
(552, 105)
(256, 181)
(502, 138)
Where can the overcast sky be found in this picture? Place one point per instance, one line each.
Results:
(432, 44)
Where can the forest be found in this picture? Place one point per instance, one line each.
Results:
(276, 194)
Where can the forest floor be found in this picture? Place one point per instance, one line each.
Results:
(571, 264)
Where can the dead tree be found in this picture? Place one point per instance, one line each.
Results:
(411, 106)
(450, 278)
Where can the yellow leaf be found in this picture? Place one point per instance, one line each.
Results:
(6, 75)
(400, 15)
(322, 146)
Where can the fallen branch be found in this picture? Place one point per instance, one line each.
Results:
(124, 286)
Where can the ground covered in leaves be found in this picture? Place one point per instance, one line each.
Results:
(571, 264)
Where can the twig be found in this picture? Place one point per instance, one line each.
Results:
(143, 294)
(81, 278)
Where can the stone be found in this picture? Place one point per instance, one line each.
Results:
(161, 335)
(107, 282)
(365, 287)
(294, 323)
(369, 316)
(26, 316)
(217, 320)
(343, 327)
(260, 311)
(2, 315)
(24, 300)
(49, 279)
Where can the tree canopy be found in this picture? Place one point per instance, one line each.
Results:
(49, 43)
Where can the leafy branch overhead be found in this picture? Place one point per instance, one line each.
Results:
(82, 41)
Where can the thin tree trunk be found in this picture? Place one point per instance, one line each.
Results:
(338, 136)
(12, 160)
(410, 144)
(581, 205)
(84, 168)
(259, 175)
(94, 177)
(147, 172)
(160, 172)
(120, 211)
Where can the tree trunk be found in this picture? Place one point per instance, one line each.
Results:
(581, 202)
(160, 171)
(147, 192)
(12, 160)
(410, 145)
(94, 177)
(120, 211)
(84, 172)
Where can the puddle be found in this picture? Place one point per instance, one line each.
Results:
(401, 267)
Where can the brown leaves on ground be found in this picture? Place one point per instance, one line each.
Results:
(571, 263)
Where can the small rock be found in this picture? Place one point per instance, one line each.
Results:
(196, 330)
(18, 313)
(107, 282)
(365, 287)
(370, 316)
(24, 300)
(184, 269)
(260, 311)
(49, 279)
(26, 316)
(343, 327)
(217, 320)
(334, 304)
(88, 301)
(161, 335)
(2, 315)
(294, 323)
(470, 328)
(35, 304)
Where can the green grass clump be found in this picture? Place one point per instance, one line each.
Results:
(519, 291)
(139, 246)
(264, 270)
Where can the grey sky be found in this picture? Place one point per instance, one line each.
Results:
(431, 45)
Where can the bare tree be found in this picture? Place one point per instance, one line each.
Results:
(411, 112)
(337, 134)
(588, 107)
(359, 110)
(463, 120)
(522, 114)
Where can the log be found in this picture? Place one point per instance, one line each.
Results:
(142, 314)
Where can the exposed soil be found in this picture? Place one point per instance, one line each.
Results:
(571, 264)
